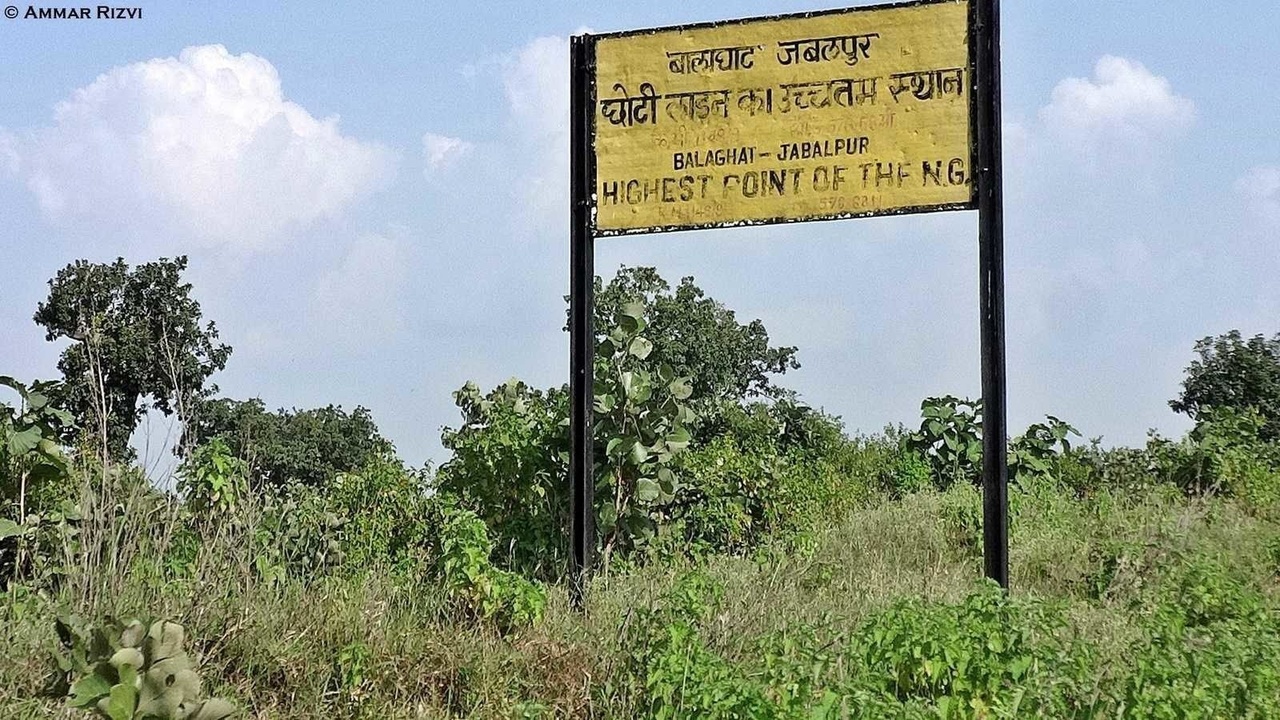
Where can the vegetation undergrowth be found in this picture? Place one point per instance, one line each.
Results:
(755, 560)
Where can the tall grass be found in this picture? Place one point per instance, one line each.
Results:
(380, 644)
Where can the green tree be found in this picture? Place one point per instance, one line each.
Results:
(1234, 373)
(697, 337)
(137, 341)
(305, 446)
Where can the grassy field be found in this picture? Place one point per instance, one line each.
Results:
(1153, 605)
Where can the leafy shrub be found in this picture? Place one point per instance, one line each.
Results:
(350, 670)
(37, 515)
(1208, 650)
(1092, 469)
(1037, 451)
(950, 439)
(989, 654)
(510, 467)
(129, 671)
(642, 419)
(510, 454)
(34, 471)
(768, 472)
(212, 480)
(474, 584)
(1233, 458)
(670, 671)
(905, 470)
(379, 517)
(295, 535)
(1224, 454)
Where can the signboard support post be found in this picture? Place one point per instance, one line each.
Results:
(581, 310)
(995, 462)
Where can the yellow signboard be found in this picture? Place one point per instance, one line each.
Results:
(849, 113)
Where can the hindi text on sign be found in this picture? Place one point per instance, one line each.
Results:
(857, 112)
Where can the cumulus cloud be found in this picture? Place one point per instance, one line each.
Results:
(1260, 187)
(1124, 101)
(442, 151)
(536, 83)
(204, 145)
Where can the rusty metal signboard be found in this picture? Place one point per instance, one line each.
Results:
(875, 110)
(856, 112)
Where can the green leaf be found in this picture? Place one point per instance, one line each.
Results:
(608, 518)
(666, 374)
(24, 441)
(637, 386)
(632, 310)
(127, 657)
(639, 453)
(9, 528)
(680, 389)
(644, 391)
(17, 386)
(631, 325)
(679, 440)
(88, 689)
(121, 703)
(640, 347)
(165, 643)
(213, 709)
(48, 448)
(647, 490)
(161, 692)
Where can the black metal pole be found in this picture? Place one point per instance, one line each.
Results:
(995, 461)
(581, 335)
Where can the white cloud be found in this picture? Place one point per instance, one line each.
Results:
(1124, 101)
(9, 159)
(536, 80)
(441, 151)
(359, 301)
(1260, 187)
(204, 145)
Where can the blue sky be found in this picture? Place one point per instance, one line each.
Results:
(373, 200)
